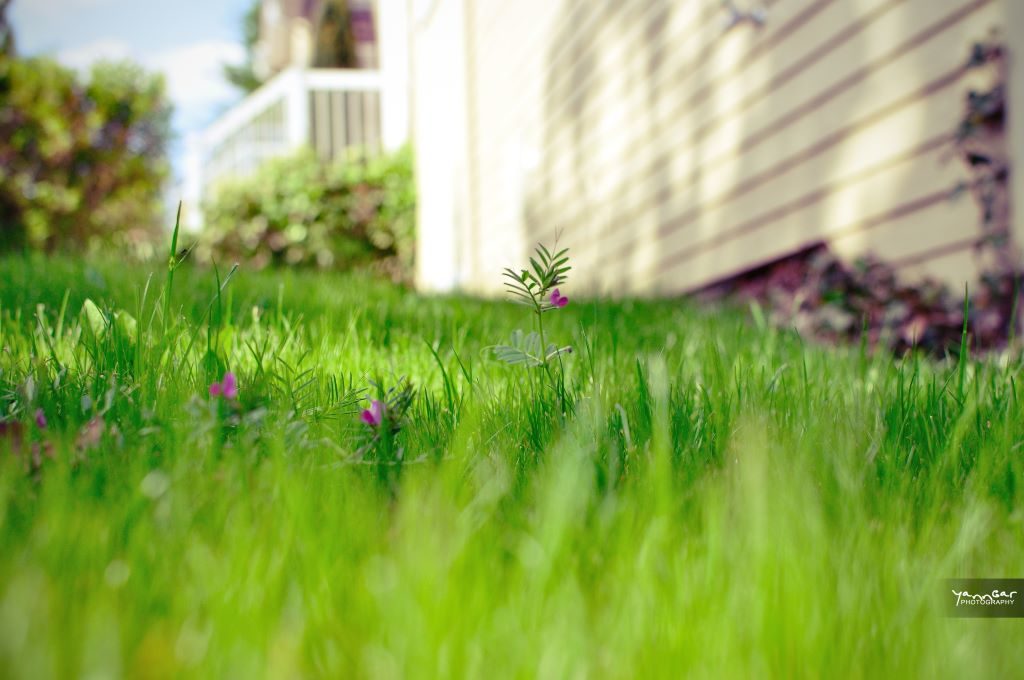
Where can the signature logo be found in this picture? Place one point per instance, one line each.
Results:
(996, 597)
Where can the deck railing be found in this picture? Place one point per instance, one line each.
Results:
(328, 110)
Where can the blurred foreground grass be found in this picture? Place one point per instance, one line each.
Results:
(722, 501)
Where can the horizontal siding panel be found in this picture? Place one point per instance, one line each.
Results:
(725, 76)
(945, 225)
(883, 87)
(512, 64)
(922, 62)
(872, 85)
(668, 154)
(955, 267)
(688, 34)
(687, 107)
(520, 42)
(625, 66)
(690, 29)
(715, 252)
(755, 152)
(922, 124)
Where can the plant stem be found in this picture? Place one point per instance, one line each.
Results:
(544, 358)
(171, 266)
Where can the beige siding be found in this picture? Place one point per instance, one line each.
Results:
(668, 154)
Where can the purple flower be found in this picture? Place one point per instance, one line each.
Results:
(374, 415)
(227, 388)
(40, 419)
(230, 386)
(558, 300)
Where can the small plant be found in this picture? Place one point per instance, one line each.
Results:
(384, 419)
(538, 289)
(373, 416)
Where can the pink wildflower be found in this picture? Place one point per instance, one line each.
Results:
(374, 415)
(227, 388)
(230, 386)
(558, 300)
(40, 419)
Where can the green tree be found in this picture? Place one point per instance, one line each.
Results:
(6, 32)
(243, 76)
(82, 163)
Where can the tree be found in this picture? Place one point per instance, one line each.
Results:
(244, 75)
(6, 32)
(82, 164)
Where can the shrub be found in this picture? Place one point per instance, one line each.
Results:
(299, 211)
(82, 163)
(823, 297)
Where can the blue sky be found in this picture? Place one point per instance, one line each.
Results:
(186, 40)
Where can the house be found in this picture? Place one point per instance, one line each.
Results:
(336, 78)
(310, 33)
(674, 143)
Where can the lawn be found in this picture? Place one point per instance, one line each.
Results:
(686, 493)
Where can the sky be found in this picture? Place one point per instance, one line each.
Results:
(186, 40)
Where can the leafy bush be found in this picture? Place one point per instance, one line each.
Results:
(865, 301)
(82, 163)
(299, 211)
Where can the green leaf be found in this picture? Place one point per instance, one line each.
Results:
(522, 350)
(539, 271)
(126, 325)
(94, 319)
(553, 352)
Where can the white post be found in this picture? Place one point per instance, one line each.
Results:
(296, 107)
(393, 40)
(440, 115)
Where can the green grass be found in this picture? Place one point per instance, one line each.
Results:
(720, 500)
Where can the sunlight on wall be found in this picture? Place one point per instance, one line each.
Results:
(668, 153)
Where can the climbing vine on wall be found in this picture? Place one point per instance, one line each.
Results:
(981, 144)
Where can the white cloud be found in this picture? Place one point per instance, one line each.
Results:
(195, 77)
(194, 72)
(81, 58)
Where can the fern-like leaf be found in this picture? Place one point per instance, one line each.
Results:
(523, 349)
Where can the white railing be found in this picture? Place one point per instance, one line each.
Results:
(328, 110)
